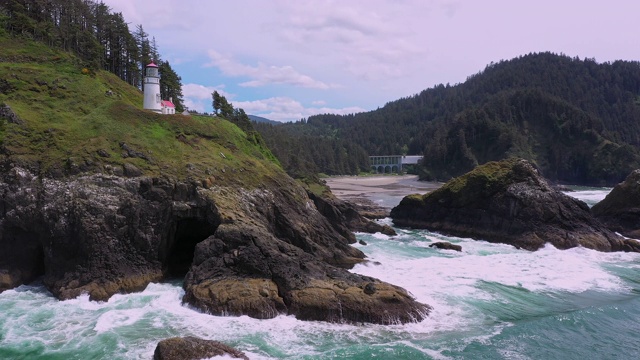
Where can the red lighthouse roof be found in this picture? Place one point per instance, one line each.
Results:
(152, 65)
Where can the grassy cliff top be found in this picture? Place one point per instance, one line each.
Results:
(73, 119)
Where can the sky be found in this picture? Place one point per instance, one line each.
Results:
(289, 59)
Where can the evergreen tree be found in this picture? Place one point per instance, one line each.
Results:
(170, 85)
(221, 106)
(144, 51)
(216, 102)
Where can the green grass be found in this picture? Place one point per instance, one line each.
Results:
(70, 120)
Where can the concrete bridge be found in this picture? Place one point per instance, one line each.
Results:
(387, 164)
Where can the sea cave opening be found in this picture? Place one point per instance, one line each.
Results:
(188, 233)
(27, 254)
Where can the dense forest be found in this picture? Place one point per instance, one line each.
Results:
(99, 37)
(577, 119)
(302, 154)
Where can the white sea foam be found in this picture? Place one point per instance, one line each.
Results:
(451, 281)
(117, 318)
(590, 196)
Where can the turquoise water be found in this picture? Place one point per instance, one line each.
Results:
(490, 301)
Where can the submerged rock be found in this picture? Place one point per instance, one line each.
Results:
(508, 202)
(444, 245)
(193, 348)
(620, 209)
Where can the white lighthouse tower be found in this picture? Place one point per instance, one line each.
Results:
(152, 100)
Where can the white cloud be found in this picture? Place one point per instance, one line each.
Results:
(373, 41)
(263, 74)
(198, 97)
(287, 109)
(197, 91)
(319, 102)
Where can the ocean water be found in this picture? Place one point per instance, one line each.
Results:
(490, 301)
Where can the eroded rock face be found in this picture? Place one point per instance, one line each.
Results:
(620, 210)
(192, 348)
(258, 252)
(341, 213)
(508, 202)
(95, 234)
(223, 282)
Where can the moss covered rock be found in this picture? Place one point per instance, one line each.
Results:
(508, 202)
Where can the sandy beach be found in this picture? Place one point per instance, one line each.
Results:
(384, 190)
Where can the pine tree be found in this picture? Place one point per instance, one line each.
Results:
(215, 102)
(171, 85)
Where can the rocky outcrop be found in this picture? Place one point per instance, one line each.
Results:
(341, 212)
(508, 202)
(620, 209)
(444, 245)
(248, 271)
(367, 207)
(6, 112)
(192, 348)
(260, 252)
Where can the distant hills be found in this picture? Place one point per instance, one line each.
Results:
(576, 119)
(260, 119)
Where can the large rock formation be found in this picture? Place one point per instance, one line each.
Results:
(260, 251)
(508, 202)
(620, 210)
(192, 348)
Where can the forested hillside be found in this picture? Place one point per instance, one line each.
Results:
(99, 37)
(578, 120)
(304, 154)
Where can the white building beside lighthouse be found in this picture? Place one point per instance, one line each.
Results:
(152, 100)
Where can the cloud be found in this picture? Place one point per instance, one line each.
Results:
(287, 109)
(368, 40)
(198, 97)
(263, 74)
(450, 8)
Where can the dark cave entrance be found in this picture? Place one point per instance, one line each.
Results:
(22, 251)
(189, 232)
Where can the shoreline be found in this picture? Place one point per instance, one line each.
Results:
(382, 191)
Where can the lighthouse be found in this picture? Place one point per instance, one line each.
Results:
(152, 100)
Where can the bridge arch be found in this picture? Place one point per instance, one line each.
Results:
(386, 164)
